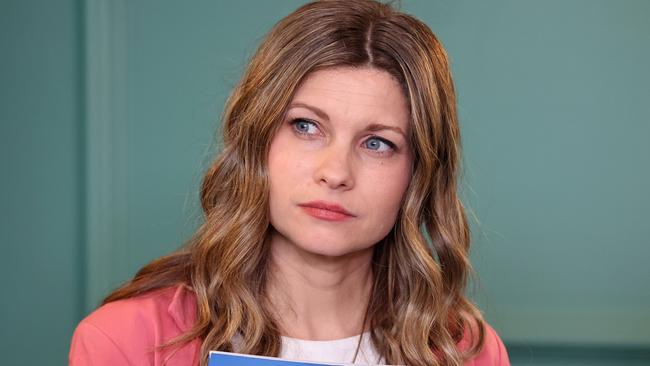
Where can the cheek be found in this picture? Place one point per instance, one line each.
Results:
(278, 161)
(287, 167)
(391, 182)
(393, 196)
(386, 197)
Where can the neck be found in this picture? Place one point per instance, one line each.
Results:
(317, 297)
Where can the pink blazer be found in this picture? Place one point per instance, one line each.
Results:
(126, 332)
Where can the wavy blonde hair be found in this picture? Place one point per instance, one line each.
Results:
(417, 312)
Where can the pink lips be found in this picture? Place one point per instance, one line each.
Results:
(326, 211)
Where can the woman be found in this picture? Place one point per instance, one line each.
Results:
(341, 146)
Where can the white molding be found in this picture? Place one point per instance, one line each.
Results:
(106, 241)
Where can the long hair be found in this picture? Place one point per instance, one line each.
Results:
(417, 311)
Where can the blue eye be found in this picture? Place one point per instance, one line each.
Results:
(378, 144)
(304, 127)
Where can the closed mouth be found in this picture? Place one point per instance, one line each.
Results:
(326, 210)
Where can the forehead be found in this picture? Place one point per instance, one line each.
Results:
(355, 94)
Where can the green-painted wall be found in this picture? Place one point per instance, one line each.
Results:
(41, 188)
(553, 100)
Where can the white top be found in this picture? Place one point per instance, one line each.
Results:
(334, 351)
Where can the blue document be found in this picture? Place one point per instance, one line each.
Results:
(237, 359)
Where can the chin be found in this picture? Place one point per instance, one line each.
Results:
(332, 248)
(319, 241)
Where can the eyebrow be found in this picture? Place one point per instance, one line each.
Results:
(378, 127)
(319, 112)
(372, 127)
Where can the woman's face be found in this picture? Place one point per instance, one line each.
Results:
(340, 163)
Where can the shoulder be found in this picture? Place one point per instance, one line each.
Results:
(169, 307)
(493, 352)
(129, 331)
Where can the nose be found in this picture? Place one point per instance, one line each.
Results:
(335, 168)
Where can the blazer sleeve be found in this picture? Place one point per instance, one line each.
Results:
(503, 359)
(91, 346)
(493, 352)
(132, 331)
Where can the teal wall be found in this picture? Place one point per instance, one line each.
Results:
(553, 99)
(108, 114)
(41, 185)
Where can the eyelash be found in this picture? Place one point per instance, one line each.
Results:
(294, 122)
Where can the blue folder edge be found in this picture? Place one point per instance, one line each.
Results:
(218, 358)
